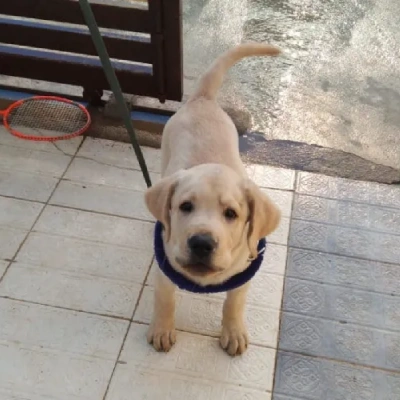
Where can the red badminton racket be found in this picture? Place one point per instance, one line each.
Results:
(46, 118)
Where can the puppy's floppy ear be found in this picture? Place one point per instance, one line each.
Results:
(158, 201)
(264, 216)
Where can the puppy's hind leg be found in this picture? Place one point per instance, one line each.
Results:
(234, 338)
(161, 333)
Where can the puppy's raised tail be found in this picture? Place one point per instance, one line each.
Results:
(210, 83)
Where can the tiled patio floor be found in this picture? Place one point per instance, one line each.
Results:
(76, 281)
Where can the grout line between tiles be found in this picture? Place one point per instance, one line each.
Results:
(41, 211)
(133, 169)
(22, 199)
(127, 331)
(65, 308)
(335, 360)
(341, 322)
(100, 212)
(363, 202)
(283, 287)
(352, 227)
(345, 286)
(333, 253)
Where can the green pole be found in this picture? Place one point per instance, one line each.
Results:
(114, 84)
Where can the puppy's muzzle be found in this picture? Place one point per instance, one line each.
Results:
(202, 247)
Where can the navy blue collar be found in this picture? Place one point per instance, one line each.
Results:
(186, 284)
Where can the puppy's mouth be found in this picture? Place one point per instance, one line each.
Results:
(198, 268)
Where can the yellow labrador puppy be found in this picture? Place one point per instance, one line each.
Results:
(213, 216)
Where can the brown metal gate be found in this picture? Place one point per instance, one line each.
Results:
(48, 40)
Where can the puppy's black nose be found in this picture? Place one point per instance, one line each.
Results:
(201, 245)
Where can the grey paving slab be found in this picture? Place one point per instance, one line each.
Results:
(341, 341)
(340, 323)
(342, 304)
(344, 189)
(345, 241)
(347, 213)
(301, 377)
(339, 270)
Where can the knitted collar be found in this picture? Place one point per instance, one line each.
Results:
(186, 284)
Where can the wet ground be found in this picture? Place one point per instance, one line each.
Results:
(337, 84)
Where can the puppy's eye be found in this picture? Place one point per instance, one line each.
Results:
(230, 214)
(186, 207)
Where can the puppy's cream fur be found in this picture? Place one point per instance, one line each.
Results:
(201, 165)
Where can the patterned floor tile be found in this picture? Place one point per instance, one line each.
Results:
(340, 340)
(195, 368)
(345, 241)
(57, 354)
(271, 177)
(300, 377)
(344, 304)
(347, 214)
(342, 293)
(344, 189)
(349, 272)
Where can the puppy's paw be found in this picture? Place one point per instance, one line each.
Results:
(161, 336)
(234, 338)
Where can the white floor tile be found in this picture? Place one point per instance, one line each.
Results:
(26, 185)
(19, 214)
(275, 259)
(86, 258)
(271, 177)
(33, 161)
(56, 354)
(96, 227)
(202, 314)
(155, 385)
(10, 240)
(68, 147)
(283, 200)
(101, 198)
(93, 171)
(266, 290)
(281, 234)
(70, 290)
(195, 368)
(119, 154)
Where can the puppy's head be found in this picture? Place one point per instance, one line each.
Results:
(209, 213)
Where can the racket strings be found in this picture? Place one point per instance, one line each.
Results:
(55, 117)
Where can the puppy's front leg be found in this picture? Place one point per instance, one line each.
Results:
(161, 333)
(234, 338)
